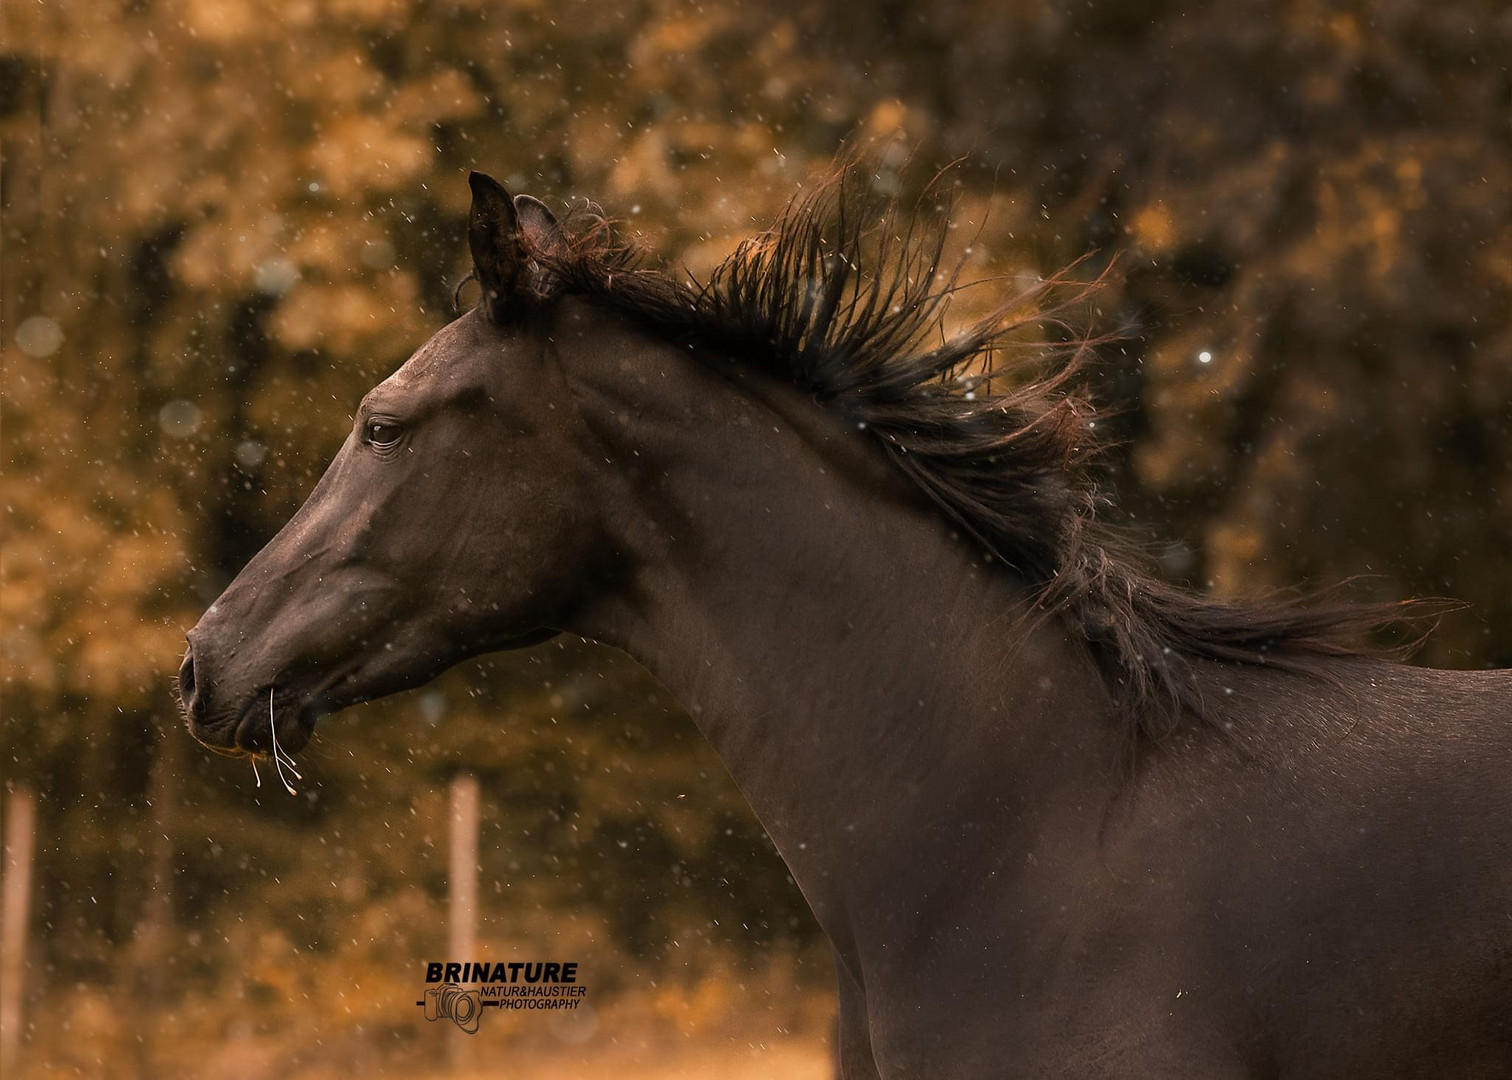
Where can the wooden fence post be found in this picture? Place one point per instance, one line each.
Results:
(462, 882)
(20, 834)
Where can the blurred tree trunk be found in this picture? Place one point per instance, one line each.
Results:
(20, 836)
(145, 972)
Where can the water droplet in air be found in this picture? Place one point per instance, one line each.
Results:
(179, 418)
(39, 336)
(276, 276)
(250, 453)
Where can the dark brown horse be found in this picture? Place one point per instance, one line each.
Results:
(884, 593)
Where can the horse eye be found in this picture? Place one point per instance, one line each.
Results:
(382, 434)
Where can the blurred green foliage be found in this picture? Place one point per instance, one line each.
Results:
(225, 219)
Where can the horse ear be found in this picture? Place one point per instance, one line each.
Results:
(493, 236)
(513, 240)
(538, 228)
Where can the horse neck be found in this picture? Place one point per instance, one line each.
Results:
(863, 672)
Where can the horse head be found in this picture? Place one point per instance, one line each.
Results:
(455, 519)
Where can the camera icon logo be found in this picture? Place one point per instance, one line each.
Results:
(451, 1002)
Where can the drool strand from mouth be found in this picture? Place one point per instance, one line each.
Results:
(279, 757)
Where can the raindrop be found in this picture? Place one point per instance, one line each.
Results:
(378, 254)
(250, 454)
(39, 336)
(276, 276)
(433, 706)
(179, 418)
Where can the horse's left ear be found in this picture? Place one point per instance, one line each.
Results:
(510, 238)
(538, 229)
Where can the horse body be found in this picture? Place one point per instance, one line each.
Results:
(1309, 881)
(956, 806)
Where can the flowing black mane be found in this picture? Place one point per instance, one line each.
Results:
(846, 297)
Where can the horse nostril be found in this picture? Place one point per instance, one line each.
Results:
(187, 687)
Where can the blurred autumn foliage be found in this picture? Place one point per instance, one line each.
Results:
(225, 219)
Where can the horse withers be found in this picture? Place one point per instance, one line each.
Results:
(880, 585)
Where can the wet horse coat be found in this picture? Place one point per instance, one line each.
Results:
(889, 605)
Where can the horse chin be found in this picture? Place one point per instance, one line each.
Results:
(296, 712)
(525, 641)
(386, 674)
(225, 751)
(252, 735)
